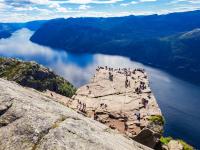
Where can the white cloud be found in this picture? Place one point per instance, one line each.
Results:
(39, 1)
(130, 3)
(27, 10)
(58, 8)
(137, 2)
(185, 1)
(92, 1)
(194, 1)
(84, 7)
(2, 5)
(143, 1)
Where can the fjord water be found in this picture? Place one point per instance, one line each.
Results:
(179, 100)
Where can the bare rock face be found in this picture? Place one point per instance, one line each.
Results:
(122, 100)
(175, 145)
(31, 120)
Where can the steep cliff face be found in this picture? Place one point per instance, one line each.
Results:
(122, 100)
(29, 120)
(33, 75)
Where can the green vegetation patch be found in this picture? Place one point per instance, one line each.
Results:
(185, 145)
(33, 75)
(158, 119)
(165, 140)
(67, 89)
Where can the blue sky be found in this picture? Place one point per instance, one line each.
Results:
(26, 10)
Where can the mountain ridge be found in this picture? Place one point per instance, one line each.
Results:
(6, 29)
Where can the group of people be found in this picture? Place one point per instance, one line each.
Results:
(110, 76)
(121, 70)
(138, 115)
(81, 106)
(125, 71)
(140, 70)
(103, 106)
(142, 85)
(98, 68)
(106, 68)
(138, 90)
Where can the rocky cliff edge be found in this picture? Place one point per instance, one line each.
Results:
(31, 120)
(122, 100)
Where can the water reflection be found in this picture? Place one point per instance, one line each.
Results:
(178, 99)
(78, 69)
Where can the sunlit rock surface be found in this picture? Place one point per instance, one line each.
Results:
(122, 99)
(31, 120)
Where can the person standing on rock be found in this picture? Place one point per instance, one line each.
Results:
(126, 82)
(110, 76)
(145, 102)
(95, 116)
(84, 107)
(138, 115)
(80, 107)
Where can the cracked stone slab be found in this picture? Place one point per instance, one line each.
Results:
(110, 100)
(31, 120)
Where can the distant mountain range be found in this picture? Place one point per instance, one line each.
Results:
(6, 29)
(170, 42)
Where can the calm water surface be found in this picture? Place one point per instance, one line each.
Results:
(179, 100)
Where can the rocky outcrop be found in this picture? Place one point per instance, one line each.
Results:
(168, 143)
(33, 75)
(122, 100)
(175, 145)
(31, 120)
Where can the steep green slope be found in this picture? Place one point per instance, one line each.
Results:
(33, 75)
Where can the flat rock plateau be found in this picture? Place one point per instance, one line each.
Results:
(122, 100)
